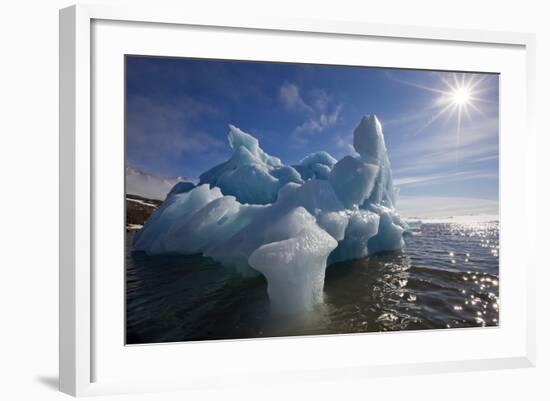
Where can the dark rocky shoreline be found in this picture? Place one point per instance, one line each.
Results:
(138, 210)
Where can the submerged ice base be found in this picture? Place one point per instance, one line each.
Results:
(254, 214)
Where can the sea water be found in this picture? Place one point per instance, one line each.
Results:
(447, 276)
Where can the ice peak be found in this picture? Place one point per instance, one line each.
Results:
(237, 137)
(368, 139)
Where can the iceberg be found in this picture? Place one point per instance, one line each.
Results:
(353, 181)
(256, 215)
(251, 175)
(316, 165)
(295, 267)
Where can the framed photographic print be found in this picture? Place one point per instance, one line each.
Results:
(246, 191)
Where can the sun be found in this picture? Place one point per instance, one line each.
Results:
(458, 96)
(461, 96)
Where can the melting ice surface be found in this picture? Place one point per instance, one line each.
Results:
(255, 214)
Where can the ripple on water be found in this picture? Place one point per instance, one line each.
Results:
(446, 277)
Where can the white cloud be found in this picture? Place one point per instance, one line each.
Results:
(289, 95)
(319, 110)
(148, 185)
(321, 121)
(321, 100)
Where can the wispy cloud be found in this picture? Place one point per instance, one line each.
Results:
(485, 159)
(443, 150)
(412, 117)
(450, 177)
(319, 110)
(290, 97)
(320, 121)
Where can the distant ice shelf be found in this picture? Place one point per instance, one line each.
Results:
(255, 214)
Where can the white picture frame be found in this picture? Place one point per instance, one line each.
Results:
(78, 368)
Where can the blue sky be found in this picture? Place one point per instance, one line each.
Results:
(177, 112)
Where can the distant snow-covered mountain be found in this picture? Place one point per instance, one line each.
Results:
(148, 185)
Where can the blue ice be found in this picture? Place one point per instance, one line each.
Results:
(257, 215)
